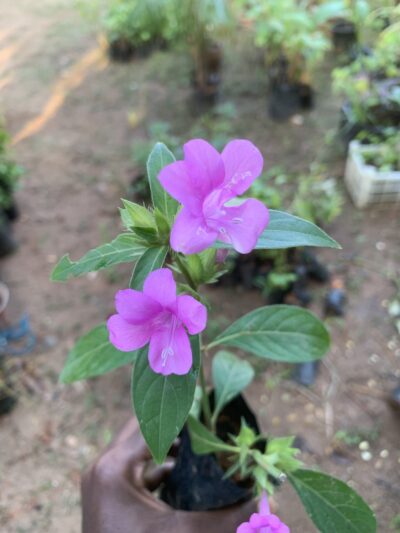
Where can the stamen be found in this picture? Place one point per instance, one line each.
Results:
(168, 351)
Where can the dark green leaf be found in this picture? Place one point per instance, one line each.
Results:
(230, 376)
(288, 231)
(204, 441)
(160, 157)
(331, 504)
(279, 332)
(93, 355)
(152, 259)
(124, 249)
(162, 403)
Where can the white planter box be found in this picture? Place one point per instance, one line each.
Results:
(365, 183)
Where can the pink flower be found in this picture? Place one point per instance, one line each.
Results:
(263, 521)
(157, 315)
(204, 182)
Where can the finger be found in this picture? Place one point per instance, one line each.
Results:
(153, 476)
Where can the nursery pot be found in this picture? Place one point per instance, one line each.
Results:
(344, 36)
(208, 66)
(121, 50)
(7, 242)
(7, 400)
(284, 101)
(197, 482)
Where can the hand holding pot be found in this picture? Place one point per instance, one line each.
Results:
(117, 498)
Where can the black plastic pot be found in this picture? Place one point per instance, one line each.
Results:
(121, 50)
(288, 99)
(12, 212)
(7, 243)
(344, 36)
(197, 482)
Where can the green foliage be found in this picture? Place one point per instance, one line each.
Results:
(385, 154)
(10, 172)
(286, 29)
(162, 403)
(123, 249)
(317, 198)
(363, 83)
(287, 231)
(93, 355)
(205, 441)
(331, 504)
(138, 22)
(230, 376)
(314, 195)
(275, 461)
(278, 332)
(152, 259)
(158, 159)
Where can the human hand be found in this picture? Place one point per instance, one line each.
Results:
(117, 497)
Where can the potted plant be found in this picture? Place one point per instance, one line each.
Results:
(293, 44)
(134, 27)
(370, 84)
(160, 318)
(10, 174)
(200, 23)
(373, 169)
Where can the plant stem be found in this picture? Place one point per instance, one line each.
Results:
(204, 398)
(185, 273)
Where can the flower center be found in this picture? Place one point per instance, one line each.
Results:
(167, 320)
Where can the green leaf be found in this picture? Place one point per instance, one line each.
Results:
(162, 403)
(279, 332)
(93, 355)
(152, 259)
(331, 504)
(230, 376)
(288, 231)
(160, 157)
(138, 214)
(124, 249)
(204, 441)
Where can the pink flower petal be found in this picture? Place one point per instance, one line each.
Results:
(170, 351)
(243, 163)
(127, 337)
(192, 313)
(242, 225)
(204, 165)
(245, 528)
(177, 182)
(264, 504)
(161, 287)
(135, 307)
(190, 235)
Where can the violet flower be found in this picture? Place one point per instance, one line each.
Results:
(204, 182)
(157, 315)
(263, 521)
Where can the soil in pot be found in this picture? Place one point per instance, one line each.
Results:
(197, 482)
(344, 36)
